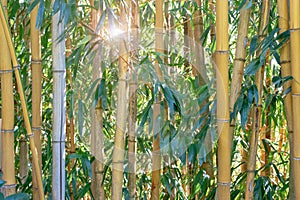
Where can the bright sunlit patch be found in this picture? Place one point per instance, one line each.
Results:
(116, 32)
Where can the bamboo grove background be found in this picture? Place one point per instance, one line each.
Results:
(134, 99)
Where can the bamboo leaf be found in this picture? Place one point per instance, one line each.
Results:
(192, 153)
(80, 116)
(279, 175)
(92, 88)
(32, 6)
(252, 67)
(101, 22)
(169, 98)
(249, 5)
(83, 190)
(288, 90)
(19, 196)
(40, 15)
(2, 182)
(165, 181)
(204, 37)
(253, 44)
(242, 3)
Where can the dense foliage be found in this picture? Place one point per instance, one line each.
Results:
(188, 132)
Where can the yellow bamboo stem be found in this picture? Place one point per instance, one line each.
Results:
(238, 68)
(156, 157)
(133, 109)
(295, 63)
(225, 137)
(239, 61)
(97, 137)
(7, 131)
(36, 93)
(285, 62)
(23, 171)
(199, 49)
(118, 151)
(212, 24)
(23, 103)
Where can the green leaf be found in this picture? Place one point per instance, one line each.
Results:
(204, 37)
(279, 175)
(92, 88)
(249, 5)
(192, 153)
(2, 182)
(253, 44)
(169, 98)
(83, 191)
(32, 6)
(87, 166)
(19, 196)
(252, 67)
(242, 3)
(101, 22)
(165, 181)
(80, 116)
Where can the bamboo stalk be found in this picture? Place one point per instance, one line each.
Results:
(266, 129)
(238, 68)
(23, 170)
(36, 93)
(201, 74)
(156, 157)
(119, 145)
(239, 61)
(133, 109)
(282, 132)
(199, 49)
(186, 52)
(97, 137)
(59, 108)
(225, 138)
(132, 137)
(70, 136)
(268, 135)
(212, 24)
(256, 128)
(23, 102)
(7, 131)
(285, 62)
(295, 63)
